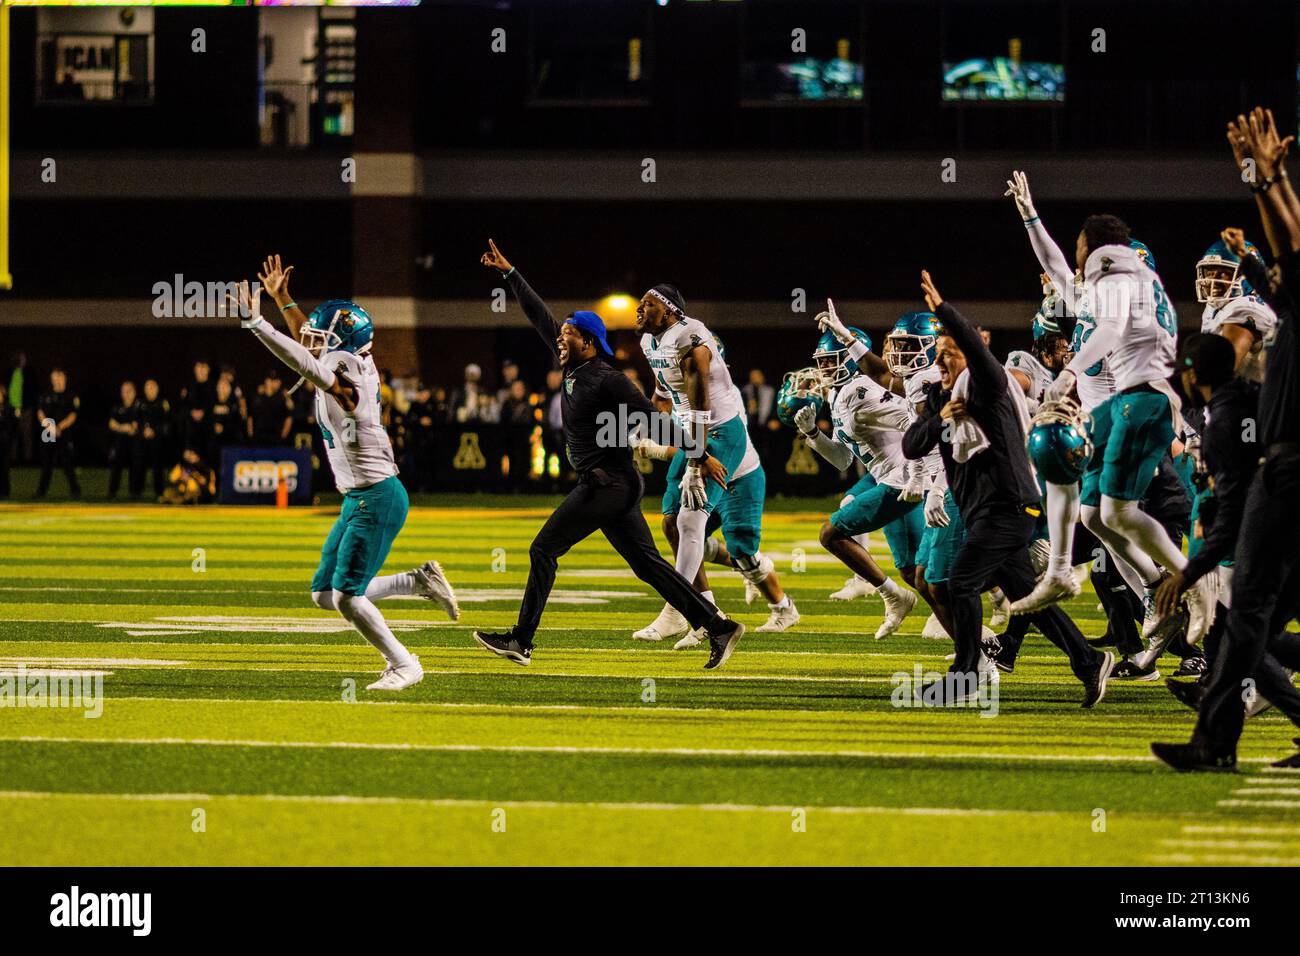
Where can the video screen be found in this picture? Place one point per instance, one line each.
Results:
(1002, 79)
(805, 80)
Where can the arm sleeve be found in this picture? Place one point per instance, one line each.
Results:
(1052, 261)
(294, 355)
(536, 310)
(985, 369)
(834, 452)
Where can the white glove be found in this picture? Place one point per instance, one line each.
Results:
(1061, 386)
(914, 490)
(1018, 189)
(828, 321)
(694, 494)
(936, 515)
(806, 420)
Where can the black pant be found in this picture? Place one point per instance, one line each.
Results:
(58, 452)
(608, 502)
(997, 552)
(1265, 583)
(124, 455)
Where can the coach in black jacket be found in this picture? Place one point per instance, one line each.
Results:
(608, 495)
(998, 498)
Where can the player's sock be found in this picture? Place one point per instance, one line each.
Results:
(690, 546)
(784, 602)
(890, 588)
(1146, 532)
(358, 611)
(708, 596)
(391, 585)
(1062, 513)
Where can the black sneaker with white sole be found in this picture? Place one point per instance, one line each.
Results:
(722, 642)
(1130, 670)
(1094, 684)
(1192, 667)
(1002, 651)
(506, 645)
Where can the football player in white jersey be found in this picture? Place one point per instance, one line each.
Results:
(1036, 369)
(331, 349)
(689, 368)
(867, 424)
(1137, 330)
(739, 515)
(1232, 309)
(1066, 295)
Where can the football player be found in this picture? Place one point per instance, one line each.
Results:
(331, 349)
(1232, 309)
(867, 422)
(689, 369)
(1137, 330)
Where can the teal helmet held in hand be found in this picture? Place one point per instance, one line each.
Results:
(799, 388)
(1058, 442)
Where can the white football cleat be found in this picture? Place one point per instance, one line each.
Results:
(693, 639)
(432, 585)
(781, 619)
(400, 677)
(668, 624)
(1001, 610)
(752, 593)
(1049, 589)
(934, 629)
(854, 588)
(896, 608)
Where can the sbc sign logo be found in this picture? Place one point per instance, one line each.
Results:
(262, 477)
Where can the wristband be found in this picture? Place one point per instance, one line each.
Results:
(286, 308)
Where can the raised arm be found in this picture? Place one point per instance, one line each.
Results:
(537, 311)
(275, 280)
(289, 351)
(1050, 258)
(986, 371)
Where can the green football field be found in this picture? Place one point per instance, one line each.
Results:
(230, 733)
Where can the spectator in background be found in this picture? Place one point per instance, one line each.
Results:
(509, 375)
(153, 413)
(227, 419)
(228, 375)
(421, 437)
(985, 336)
(56, 414)
(191, 481)
(552, 419)
(198, 394)
(760, 411)
(270, 419)
(124, 444)
(464, 401)
(306, 433)
(8, 423)
(20, 400)
(518, 422)
(489, 412)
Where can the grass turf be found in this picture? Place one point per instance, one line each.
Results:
(235, 727)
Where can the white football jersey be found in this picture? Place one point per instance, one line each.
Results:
(914, 392)
(877, 440)
(1129, 297)
(1040, 376)
(1095, 383)
(358, 447)
(666, 354)
(1251, 312)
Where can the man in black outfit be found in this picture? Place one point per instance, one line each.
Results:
(56, 417)
(998, 497)
(124, 443)
(1266, 574)
(608, 495)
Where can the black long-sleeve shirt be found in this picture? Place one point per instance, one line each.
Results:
(596, 398)
(1279, 398)
(1231, 462)
(1000, 475)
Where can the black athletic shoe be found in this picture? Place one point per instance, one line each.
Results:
(722, 642)
(1001, 651)
(1289, 763)
(1188, 692)
(1193, 757)
(1103, 642)
(1094, 685)
(1129, 670)
(506, 645)
(1192, 667)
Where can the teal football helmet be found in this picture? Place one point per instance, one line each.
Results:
(910, 344)
(799, 388)
(1143, 253)
(1218, 274)
(1045, 319)
(1058, 444)
(337, 325)
(831, 357)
